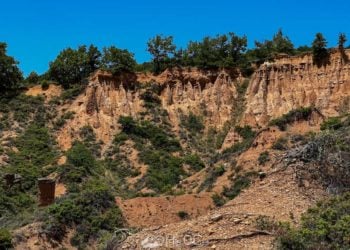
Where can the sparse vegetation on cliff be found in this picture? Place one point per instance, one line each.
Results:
(156, 147)
(248, 135)
(292, 116)
(333, 123)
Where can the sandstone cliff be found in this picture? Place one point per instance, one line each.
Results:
(207, 93)
(292, 82)
(274, 89)
(106, 98)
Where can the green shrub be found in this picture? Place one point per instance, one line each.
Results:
(91, 210)
(211, 177)
(248, 135)
(263, 158)
(155, 145)
(218, 200)
(72, 92)
(146, 130)
(121, 169)
(280, 144)
(25, 108)
(36, 151)
(59, 123)
(35, 158)
(240, 183)
(164, 169)
(193, 123)
(242, 88)
(80, 163)
(87, 134)
(68, 115)
(120, 138)
(291, 116)
(79, 155)
(194, 161)
(218, 171)
(245, 132)
(5, 239)
(150, 98)
(266, 223)
(45, 85)
(238, 147)
(324, 226)
(332, 123)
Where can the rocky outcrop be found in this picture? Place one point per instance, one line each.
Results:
(293, 82)
(105, 99)
(209, 93)
(275, 88)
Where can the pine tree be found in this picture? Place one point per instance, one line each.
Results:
(319, 50)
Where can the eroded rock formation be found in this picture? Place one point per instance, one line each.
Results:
(106, 98)
(293, 82)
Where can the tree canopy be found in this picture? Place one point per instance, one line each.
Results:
(268, 49)
(118, 60)
(10, 75)
(73, 65)
(221, 51)
(162, 49)
(319, 50)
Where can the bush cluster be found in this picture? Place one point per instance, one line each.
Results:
(239, 183)
(263, 157)
(332, 123)
(280, 144)
(324, 226)
(211, 177)
(5, 239)
(90, 211)
(156, 147)
(292, 116)
(193, 123)
(248, 135)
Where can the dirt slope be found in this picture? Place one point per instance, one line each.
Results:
(157, 211)
(233, 225)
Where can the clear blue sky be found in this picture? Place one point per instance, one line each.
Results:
(37, 30)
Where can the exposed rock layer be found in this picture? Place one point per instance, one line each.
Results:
(106, 98)
(293, 82)
(275, 89)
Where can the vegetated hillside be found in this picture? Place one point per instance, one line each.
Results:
(209, 153)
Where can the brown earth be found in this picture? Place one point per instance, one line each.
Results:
(52, 91)
(158, 211)
(30, 238)
(233, 225)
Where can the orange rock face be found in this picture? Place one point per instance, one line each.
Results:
(293, 82)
